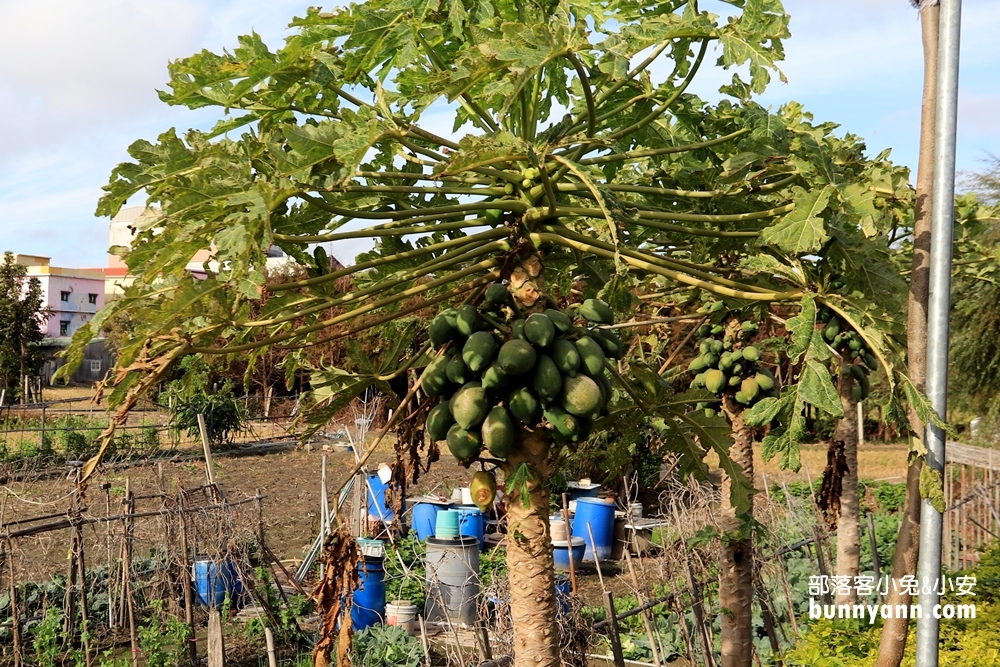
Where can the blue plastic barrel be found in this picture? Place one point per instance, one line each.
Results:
(213, 580)
(561, 553)
(471, 523)
(600, 516)
(376, 499)
(563, 592)
(424, 520)
(369, 598)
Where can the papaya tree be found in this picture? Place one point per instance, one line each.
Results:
(572, 151)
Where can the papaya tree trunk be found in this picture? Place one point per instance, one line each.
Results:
(848, 527)
(736, 563)
(894, 630)
(529, 558)
(529, 543)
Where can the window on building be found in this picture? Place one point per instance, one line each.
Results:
(64, 296)
(92, 298)
(64, 328)
(95, 365)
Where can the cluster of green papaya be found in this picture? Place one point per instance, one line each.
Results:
(500, 370)
(728, 364)
(851, 346)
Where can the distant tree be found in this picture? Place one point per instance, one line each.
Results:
(22, 315)
(985, 183)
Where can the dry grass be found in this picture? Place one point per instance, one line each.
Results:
(877, 462)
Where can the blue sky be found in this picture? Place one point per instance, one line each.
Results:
(78, 81)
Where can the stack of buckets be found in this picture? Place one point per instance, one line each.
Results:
(452, 575)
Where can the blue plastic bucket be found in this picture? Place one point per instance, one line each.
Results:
(424, 520)
(376, 499)
(446, 525)
(563, 592)
(213, 580)
(600, 516)
(471, 523)
(561, 553)
(369, 598)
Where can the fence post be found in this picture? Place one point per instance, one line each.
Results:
(15, 619)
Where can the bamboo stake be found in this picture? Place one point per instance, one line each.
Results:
(685, 633)
(107, 543)
(645, 612)
(946, 519)
(81, 563)
(15, 619)
(423, 640)
(964, 524)
(272, 658)
(616, 643)
(129, 504)
(697, 606)
(821, 560)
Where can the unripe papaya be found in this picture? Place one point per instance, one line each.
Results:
(439, 420)
(467, 320)
(698, 364)
(539, 330)
(580, 395)
(440, 331)
(434, 380)
(494, 377)
(750, 389)
(517, 330)
(464, 445)
(831, 330)
(469, 405)
(458, 372)
(870, 360)
(750, 353)
(597, 311)
(479, 350)
(735, 381)
(523, 404)
(560, 320)
(496, 295)
(565, 355)
(498, 432)
(609, 342)
(591, 356)
(715, 381)
(517, 357)
(765, 380)
(564, 425)
(741, 398)
(547, 380)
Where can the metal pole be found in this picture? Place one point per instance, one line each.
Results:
(939, 305)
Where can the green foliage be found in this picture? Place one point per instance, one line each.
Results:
(162, 644)
(386, 646)
(195, 394)
(22, 318)
(47, 637)
(405, 576)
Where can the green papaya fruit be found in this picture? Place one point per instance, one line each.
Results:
(698, 364)
(564, 425)
(498, 432)
(469, 405)
(580, 395)
(539, 330)
(483, 489)
(597, 311)
(704, 331)
(831, 330)
(609, 342)
(591, 356)
(479, 350)
(750, 389)
(467, 320)
(741, 398)
(494, 377)
(439, 420)
(735, 380)
(765, 380)
(434, 380)
(856, 393)
(750, 353)
(705, 346)
(715, 380)
(517, 330)
(458, 372)
(440, 331)
(464, 445)
(517, 357)
(870, 361)
(560, 320)
(547, 380)
(524, 405)
(565, 355)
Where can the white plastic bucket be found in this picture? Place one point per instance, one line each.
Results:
(401, 614)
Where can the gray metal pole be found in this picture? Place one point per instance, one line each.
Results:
(939, 306)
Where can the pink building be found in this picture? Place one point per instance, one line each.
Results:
(74, 295)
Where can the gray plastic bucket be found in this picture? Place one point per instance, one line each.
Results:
(452, 580)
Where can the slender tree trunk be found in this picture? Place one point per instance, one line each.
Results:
(894, 630)
(736, 565)
(529, 543)
(848, 527)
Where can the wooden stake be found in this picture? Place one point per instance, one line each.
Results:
(209, 466)
(597, 561)
(186, 578)
(423, 640)
(569, 544)
(81, 563)
(874, 547)
(616, 642)
(685, 633)
(216, 642)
